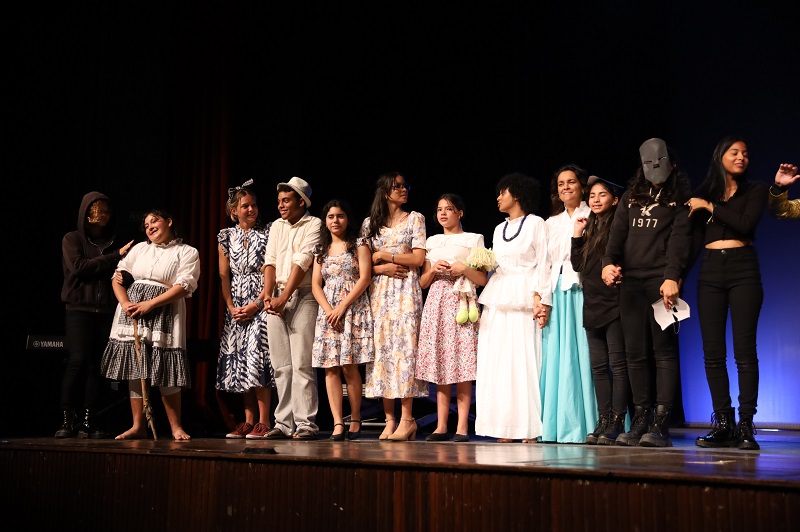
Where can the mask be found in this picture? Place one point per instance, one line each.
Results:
(655, 161)
(98, 212)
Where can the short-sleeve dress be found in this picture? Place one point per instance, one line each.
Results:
(353, 344)
(243, 362)
(155, 269)
(448, 351)
(396, 311)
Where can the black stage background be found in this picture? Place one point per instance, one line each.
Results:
(106, 95)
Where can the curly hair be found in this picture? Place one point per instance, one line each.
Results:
(523, 188)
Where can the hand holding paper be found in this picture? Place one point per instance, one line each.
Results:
(680, 311)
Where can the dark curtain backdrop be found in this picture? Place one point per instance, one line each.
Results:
(200, 178)
(168, 106)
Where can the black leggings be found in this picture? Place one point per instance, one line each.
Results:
(609, 368)
(730, 279)
(87, 336)
(646, 343)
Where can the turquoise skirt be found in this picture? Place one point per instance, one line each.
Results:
(569, 405)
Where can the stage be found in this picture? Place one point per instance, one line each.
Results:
(367, 484)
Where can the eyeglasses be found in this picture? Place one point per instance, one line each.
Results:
(401, 185)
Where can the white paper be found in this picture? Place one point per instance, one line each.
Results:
(680, 311)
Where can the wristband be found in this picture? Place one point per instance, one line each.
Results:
(259, 303)
(392, 258)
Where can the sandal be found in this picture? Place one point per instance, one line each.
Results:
(306, 434)
(275, 434)
(354, 434)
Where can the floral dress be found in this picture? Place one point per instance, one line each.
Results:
(448, 351)
(353, 344)
(396, 310)
(243, 362)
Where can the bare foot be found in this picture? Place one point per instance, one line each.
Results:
(530, 440)
(133, 433)
(180, 435)
(504, 440)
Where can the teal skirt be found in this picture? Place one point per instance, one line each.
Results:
(569, 405)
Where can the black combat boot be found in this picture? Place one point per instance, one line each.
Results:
(89, 429)
(615, 427)
(723, 431)
(67, 429)
(745, 432)
(641, 422)
(602, 423)
(658, 435)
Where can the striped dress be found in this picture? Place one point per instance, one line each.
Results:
(243, 362)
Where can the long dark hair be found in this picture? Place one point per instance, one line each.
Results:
(674, 190)
(325, 237)
(379, 211)
(713, 187)
(583, 178)
(522, 187)
(598, 228)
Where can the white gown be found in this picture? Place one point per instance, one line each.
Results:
(507, 400)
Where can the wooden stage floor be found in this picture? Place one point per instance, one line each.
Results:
(479, 485)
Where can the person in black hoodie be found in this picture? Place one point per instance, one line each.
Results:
(88, 258)
(651, 241)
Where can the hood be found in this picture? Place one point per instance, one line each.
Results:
(87, 200)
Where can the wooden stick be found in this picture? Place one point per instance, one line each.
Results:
(148, 411)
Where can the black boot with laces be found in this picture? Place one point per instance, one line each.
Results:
(746, 433)
(615, 427)
(723, 431)
(639, 426)
(67, 428)
(602, 423)
(658, 435)
(89, 428)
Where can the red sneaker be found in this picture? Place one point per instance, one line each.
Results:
(241, 431)
(258, 432)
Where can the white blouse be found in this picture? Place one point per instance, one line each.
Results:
(560, 229)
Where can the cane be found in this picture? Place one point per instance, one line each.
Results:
(148, 411)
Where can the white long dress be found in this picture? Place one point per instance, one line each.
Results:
(507, 400)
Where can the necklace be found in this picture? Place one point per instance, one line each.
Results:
(515, 234)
